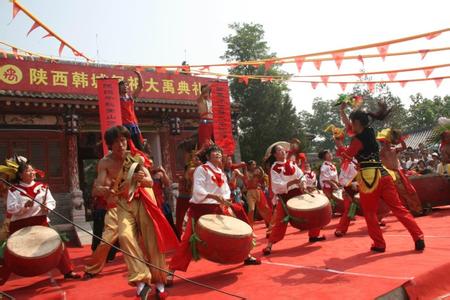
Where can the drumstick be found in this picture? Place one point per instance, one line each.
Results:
(126, 252)
(45, 198)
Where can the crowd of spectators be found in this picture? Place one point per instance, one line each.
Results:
(422, 160)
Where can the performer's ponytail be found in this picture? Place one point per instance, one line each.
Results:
(363, 117)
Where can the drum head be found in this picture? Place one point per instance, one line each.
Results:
(33, 242)
(225, 225)
(308, 202)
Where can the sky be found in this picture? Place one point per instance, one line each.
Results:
(166, 32)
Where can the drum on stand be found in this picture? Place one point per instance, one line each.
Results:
(224, 239)
(309, 211)
(33, 250)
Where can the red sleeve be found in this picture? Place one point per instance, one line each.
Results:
(350, 151)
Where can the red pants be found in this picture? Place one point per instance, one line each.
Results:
(344, 222)
(65, 265)
(205, 132)
(277, 228)
(183, 256)
(387, 192)
(180, 212)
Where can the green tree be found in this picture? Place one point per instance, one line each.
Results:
(267, 114)
(423, 112)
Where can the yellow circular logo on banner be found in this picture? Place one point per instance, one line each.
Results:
(10, 74)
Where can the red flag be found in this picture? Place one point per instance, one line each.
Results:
(361, 59)
(438, 81)
(317, 64)
(403, 83)
(428, 72)
(423, 53)
(383, 50)
(314, 84)
(186, 69)
(392, 75)
(61, 47)
(432, 35)
(338, 58)
(222, 126)
(371, 86)
(35, 25)
(299, 62)
(325, 79)
(343, 85)
(16, 10)
(268, 64)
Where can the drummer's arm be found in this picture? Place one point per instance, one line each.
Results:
(50, 202)
(14, 204)
(100, 188)
(144, 178)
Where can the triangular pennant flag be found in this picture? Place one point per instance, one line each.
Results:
(371, 86)
(314, 84)
(16, 10)
(361, 59)
(403, 83)
(343, 85)
(244, 79)
(423, 53)
(268, 64)
(299, 62)
(428, 71)
(317, 64)
(391, 75)
(325, 79)
(338, 57)
(161, 70)
(35, 25)
(438, 81)
(61, 47)
(383, 50)
(47, 35)
(432, 35)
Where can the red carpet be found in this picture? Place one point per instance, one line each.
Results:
(337, 268)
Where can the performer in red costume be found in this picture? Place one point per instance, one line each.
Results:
(129, 119)
(210, 195)
(204, 105)
(296, 155)
(373, 179)
(287, 181)
(25, 212)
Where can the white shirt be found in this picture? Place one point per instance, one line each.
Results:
(280, 176)
(205, 183)
(346, 176)
(311, 179)
(328, 172)
(15, 203)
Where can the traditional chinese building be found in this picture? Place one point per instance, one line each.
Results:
(49, 113)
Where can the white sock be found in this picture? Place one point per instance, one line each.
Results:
(160, 287)
(139, 286)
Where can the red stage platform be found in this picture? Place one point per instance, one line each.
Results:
(339, 268)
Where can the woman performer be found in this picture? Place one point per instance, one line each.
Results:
(211, 194)
(25, 212)
(287, 181)
(373, 179)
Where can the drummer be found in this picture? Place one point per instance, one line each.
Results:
(210, 195)
(25, 212)
(310, 178)
(287, 181)
(328, 175)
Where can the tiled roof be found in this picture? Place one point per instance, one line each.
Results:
(415, 138)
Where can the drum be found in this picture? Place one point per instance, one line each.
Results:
(224, 239)
(339, 200)
(433, 189)
(312, 210)
(33, 250)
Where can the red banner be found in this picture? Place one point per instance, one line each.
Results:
(108, 106)
(223, 134)
(71, 78)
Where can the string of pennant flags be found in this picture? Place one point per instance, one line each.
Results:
(337, 55)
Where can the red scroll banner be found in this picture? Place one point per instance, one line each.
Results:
(109, 106)
(223, 135)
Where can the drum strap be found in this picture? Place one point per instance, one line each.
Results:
(193, 240)
(288, 216)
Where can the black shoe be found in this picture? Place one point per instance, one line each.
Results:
(382, 224)
(72, 275)
(339, 233)
(267, 251)
(420, 245)
(252, 261)
(145, 293)
(87, 276)
(377, 249)
(317, 239)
